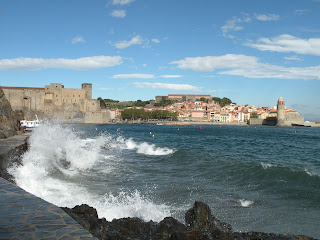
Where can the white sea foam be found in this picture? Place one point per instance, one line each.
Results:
(131, 204)
(58, 155)
(151, 149)
(144, 147)
(310, 173)
(245, 203)
(267, 165)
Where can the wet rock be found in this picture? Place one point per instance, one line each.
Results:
(9, 120)
(170, 226)
(85, 215)
(201, 225)
(199, 218)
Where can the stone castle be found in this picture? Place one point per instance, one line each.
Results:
(56, 102)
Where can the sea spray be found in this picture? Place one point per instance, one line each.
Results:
(61, 166)
(125, 204)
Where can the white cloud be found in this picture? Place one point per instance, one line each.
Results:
(267, 17)
(134, 75)
(155, 40)
(136, 40)
(293, 58)
(121, 2)
(288, 43)
(236, 23)
(171, 76)
(276, 72)
(210, 63)
(247, 66)
(177, 87)
(82, 64)
(78, 39)
(301, 12)
(118, 13)
(233, 25)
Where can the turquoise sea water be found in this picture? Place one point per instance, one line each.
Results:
(255, 178)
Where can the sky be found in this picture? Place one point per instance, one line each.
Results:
(250, 51)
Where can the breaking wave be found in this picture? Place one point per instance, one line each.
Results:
(60, 166)
(145, 148)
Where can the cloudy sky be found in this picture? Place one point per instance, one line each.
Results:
(250, 51)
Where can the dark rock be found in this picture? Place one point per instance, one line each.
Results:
(169, 226)
(199, 218)
(201, 225)
(85, 215)
(9, 120)
(85, 211)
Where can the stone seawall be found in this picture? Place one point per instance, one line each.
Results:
(11, 150)
(23, 215)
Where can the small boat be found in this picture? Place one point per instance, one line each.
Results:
(299, 125)
(159, 124)
(29, 125)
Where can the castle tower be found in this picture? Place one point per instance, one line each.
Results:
(88, 88)
(281, 112)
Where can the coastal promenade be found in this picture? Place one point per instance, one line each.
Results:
(25, 216)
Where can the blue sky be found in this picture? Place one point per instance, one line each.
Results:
(250, 51)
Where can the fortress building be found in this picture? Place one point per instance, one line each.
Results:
(56, 102)
(287, 117)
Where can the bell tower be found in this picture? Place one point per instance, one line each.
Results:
(281, 112)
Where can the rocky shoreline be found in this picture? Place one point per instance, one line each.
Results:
(200, 225)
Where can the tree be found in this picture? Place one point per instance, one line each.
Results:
(253, 115)
(222, 102)
(203, 99)
(225, 101)
(102, 102)
(133, 114)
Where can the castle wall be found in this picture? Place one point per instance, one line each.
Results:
(101, 117)
(54, 101)
(294, 117)
(25, 97)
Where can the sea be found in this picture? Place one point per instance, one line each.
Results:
(257, 178)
